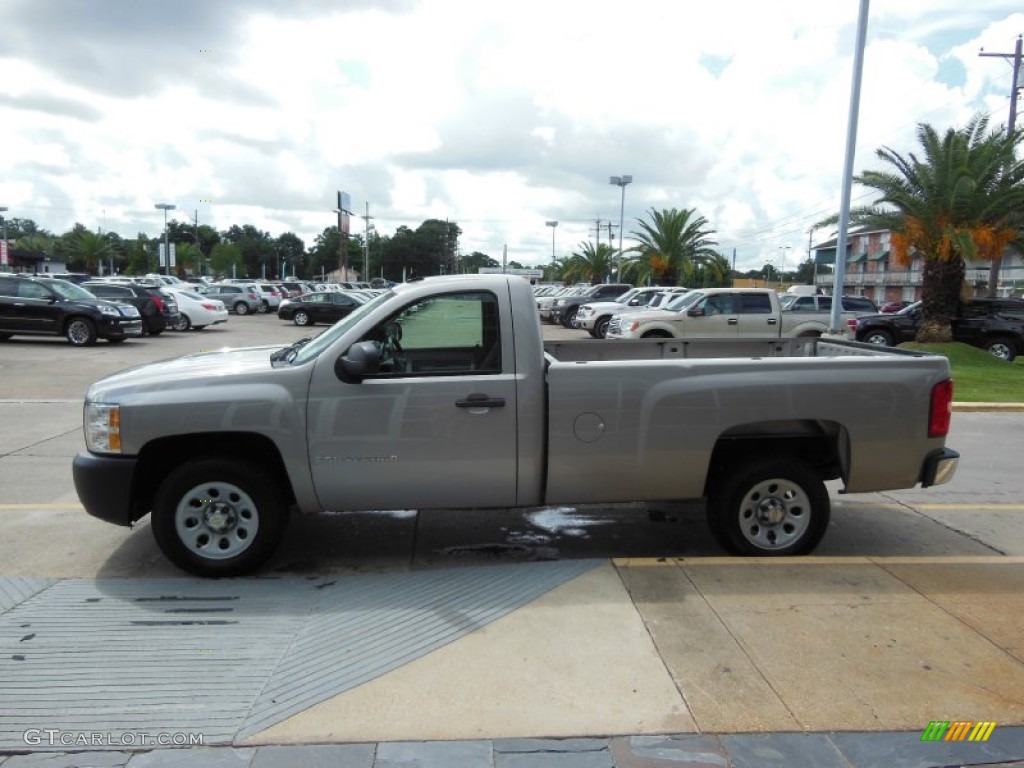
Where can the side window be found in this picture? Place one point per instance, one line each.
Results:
(454, 334)
(719, 304)
(29, 290)
(7, 286)
(756, 304)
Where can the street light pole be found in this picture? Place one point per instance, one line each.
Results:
(554, 226)
(7, 251)
(782, 261)
(165, 207)
(620, 181)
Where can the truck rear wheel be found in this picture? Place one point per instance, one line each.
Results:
(219, 517)
(769, 506)
(1001, 347)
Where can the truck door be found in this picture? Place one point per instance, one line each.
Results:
(755, 317)
(436, 427)
(712, 316)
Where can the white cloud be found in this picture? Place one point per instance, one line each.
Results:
(499, 116)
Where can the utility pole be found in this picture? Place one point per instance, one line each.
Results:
(611, 237)
(597, 229)
(1011, 128)
(366, 243)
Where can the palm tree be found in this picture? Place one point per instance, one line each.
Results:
(715, 271)
(590, 263)
(669, 244)
(90, 248)
(963, 199)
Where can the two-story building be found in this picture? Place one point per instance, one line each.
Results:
(872, 271)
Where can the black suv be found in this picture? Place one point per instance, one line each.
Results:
(996, 325)
(159, 310)
(860, 304)
(32, 305)
(564, 309)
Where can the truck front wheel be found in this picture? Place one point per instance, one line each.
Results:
(218, 517)
(770, 507)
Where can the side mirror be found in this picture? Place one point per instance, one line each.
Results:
(696, 312)
(361, 360)
(634, 303)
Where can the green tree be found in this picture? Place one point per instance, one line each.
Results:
(291, 252)
(589, 263)
(472, 263)
(962, 199)
(668, 245)
(711, 272)
(87, 249)
(226, 260)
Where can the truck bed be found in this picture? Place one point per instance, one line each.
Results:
(593, 350)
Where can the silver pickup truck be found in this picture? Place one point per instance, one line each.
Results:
(440, 393)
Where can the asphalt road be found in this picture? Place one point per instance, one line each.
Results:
(46, 532)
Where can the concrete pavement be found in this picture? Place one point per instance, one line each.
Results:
(909, 616)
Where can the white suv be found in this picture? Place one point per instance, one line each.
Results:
(596, 316)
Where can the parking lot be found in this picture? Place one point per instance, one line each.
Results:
(609, 620)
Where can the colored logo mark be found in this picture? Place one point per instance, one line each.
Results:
(957, 730)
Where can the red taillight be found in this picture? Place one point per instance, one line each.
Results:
(159, 303)
(211, 307)
(941, 409)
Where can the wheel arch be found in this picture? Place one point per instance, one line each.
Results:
(824, 445)
(160, 457)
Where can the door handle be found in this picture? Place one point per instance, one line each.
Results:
(771, 321)
(480, 400)
(733, 321)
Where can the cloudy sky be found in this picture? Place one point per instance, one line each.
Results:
(497, 115)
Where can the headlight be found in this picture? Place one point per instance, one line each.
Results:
(128, 310)
(557, 303)
(103, 427)
(109, 310)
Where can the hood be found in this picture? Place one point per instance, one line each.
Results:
(182, 372)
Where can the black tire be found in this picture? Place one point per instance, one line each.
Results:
(184, 322)
(879, 337)
(263, 308)
(241, 308)
(302, 318)
(601, 327)
(198, 327)
(219, 517)
(1002, 347)
(566, 320)
(80, 332)
(768, 506)
(156, 331)
(656, 335)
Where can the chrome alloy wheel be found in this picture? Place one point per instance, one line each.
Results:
(774, 513)
(216, 520)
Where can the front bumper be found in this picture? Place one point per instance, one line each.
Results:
(939, 467)
(116, 328)
(104, 485)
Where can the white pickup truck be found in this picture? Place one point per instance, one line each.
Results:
(440, 393)
(722, 313)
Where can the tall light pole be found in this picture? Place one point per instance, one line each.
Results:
(620, 181)
(165, 207)
(366, 243)
(554, 226)
(7, 257)
(782, 261)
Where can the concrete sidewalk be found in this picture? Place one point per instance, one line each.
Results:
(809, 661)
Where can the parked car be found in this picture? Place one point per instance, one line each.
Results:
(595, 316)
(564, 308)
(240, 299)
(197, 311)
(319, 307)
(895, 306)
(159, 311)
(271, 296)
(995, 325)
(35, 305)
(795, 302)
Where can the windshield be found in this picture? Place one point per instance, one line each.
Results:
(683, 300)
(67, 290)
(311, 350)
